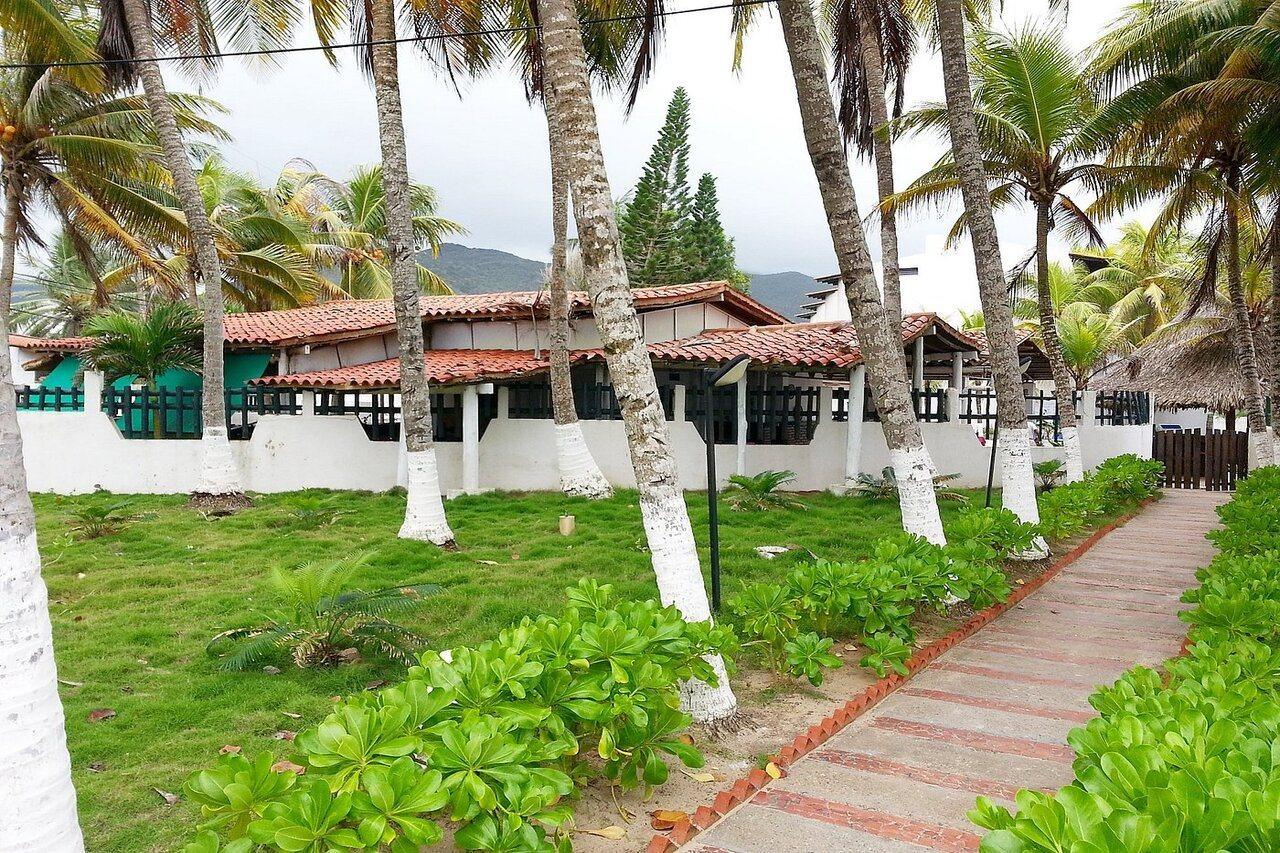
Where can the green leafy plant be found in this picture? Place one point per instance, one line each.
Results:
(104, 519)
(885, 487)
(808, 655)
(1048, 473)
(886, 652)
(318, 617)
(768, 612)
(311, 512)
(762, 491)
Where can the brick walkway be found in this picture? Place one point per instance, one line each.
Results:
(991, 715)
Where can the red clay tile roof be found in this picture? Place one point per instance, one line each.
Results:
(816, 346)
(50, 344)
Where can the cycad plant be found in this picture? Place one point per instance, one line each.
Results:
(316, 617)
(762, 491)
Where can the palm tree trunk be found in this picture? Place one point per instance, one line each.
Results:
(1063, 389)
(882, 149)
(424, 517)
(219, 473)
(579, 473)
(35, 785)
(1275, 339)
(879, 340)
(9, 237)
(1017, 483)
(666, 518)
(1246, 351)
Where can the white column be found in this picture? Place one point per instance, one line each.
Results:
(92, 391)
(504, 403)
(741, 466)
(1087, 411)
(678, 403)
(917, 364)
(470, 440)
(307, 402)
(957, 385)
(282, 363)
(853, 436)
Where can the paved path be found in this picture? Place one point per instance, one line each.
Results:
(991, 715)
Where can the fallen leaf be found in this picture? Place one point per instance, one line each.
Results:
(664, 819)
(69, 683)
(99, 714)
(97, 766)
(375, 684)
(351, 655)
(126, 689)
(515, 556)
(284, 734)
(169, 799)
(80, 576)
(494, 563)
(78, 619)
(686, 738)
(230, 749)
(288, 767)
(1055, 612)
(271, 670)
(774, 771)
(699, 777)
(613, 833)
(292, 715)
(1019, 581)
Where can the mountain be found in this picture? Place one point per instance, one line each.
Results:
(784, 292)
(475, 270)
(472, 270)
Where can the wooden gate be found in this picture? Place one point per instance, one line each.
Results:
(1193, 460)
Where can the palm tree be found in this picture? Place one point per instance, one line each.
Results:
(72, 151)
(348, 221)
(1148, 277)
(1034, 115)
(36, 782)
(1089, 337)
(666, 519)
(872, 42)
(61, 294)
(1017, 478)
(879, 340)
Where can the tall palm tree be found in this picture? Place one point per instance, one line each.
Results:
(1035, 121)
(127, 33)
(879, 340)
(40, 801)
(666, 518)
(1017, 481)
(1148, 278)
(872, 42)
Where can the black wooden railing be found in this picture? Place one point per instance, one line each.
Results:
(176, 412)
(786, 415)
(36, 398)
(593, 401)
(1123, 408)
(930, 405)
(379, 412)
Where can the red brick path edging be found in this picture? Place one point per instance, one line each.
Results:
(748, 786)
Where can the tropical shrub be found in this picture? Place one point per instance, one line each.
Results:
(317, 618)
(1117, 486)
(1184, 760)
(102, 519)
(885, 487)
(493, 738)
(762, 491)
(1049, 473)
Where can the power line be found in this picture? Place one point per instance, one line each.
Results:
(497, 31)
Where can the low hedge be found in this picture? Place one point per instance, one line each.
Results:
(1187, 759)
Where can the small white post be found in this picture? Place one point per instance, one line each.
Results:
(741, 465)
(853, 435)
(678, 403)
(504, 403)
(92, 391)
(307, 403)
(282, 363)
(1088, 410)
(917, 364)
(957, 385)
(470, 440)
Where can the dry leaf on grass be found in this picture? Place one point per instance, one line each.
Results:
(292, 715)
(664, 819)
(701, 776)
(284, 734)
(99, 714)
(288, 767)
(168, 798)
(230, 749)
(613, 833)
(774, 771)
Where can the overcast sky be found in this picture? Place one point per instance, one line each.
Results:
(486, 152)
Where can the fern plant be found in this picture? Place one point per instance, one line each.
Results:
(317, 617)
(95, 520)
(1049, 473)
(885, 487)
(311, 512)
(761, 492)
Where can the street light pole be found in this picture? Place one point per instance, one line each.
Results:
(729, 374)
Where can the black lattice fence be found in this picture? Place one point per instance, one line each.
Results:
(930, 405)
(37, 398)
(1123, 408)
(593, 401)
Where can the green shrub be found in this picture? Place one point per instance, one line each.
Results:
(102, 519)
(1187, 760)
(492, 738)
(762, 491)
(1117, 486)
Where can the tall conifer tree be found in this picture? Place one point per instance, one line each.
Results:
(650, 225)
(708, 251)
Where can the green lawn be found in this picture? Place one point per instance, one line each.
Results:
(132, 612)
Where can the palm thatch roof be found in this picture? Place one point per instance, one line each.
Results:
(1188, 368)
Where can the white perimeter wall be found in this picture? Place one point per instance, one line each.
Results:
(73, 452)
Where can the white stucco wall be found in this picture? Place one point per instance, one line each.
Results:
(17, 358)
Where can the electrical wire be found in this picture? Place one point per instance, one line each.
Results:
(402, 40)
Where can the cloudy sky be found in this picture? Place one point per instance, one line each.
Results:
(485, 152)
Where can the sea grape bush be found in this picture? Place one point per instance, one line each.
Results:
(874, 600)
(1189, 759)
(1117, 486)
(494, 738)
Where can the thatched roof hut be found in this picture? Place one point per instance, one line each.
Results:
(1189, 369)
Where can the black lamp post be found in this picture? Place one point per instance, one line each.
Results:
(729, 374)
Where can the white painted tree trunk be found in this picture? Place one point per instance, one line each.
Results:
(424, 518)
(1018, 488)
(580, 476)
(1074, 460)
(1263, 449)
(666, 519)
(913, 469)
(38, 811)
(219, 473)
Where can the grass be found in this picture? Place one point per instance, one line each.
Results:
(132, 612)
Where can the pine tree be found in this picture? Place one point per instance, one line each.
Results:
(708, 251)
(652, 221)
